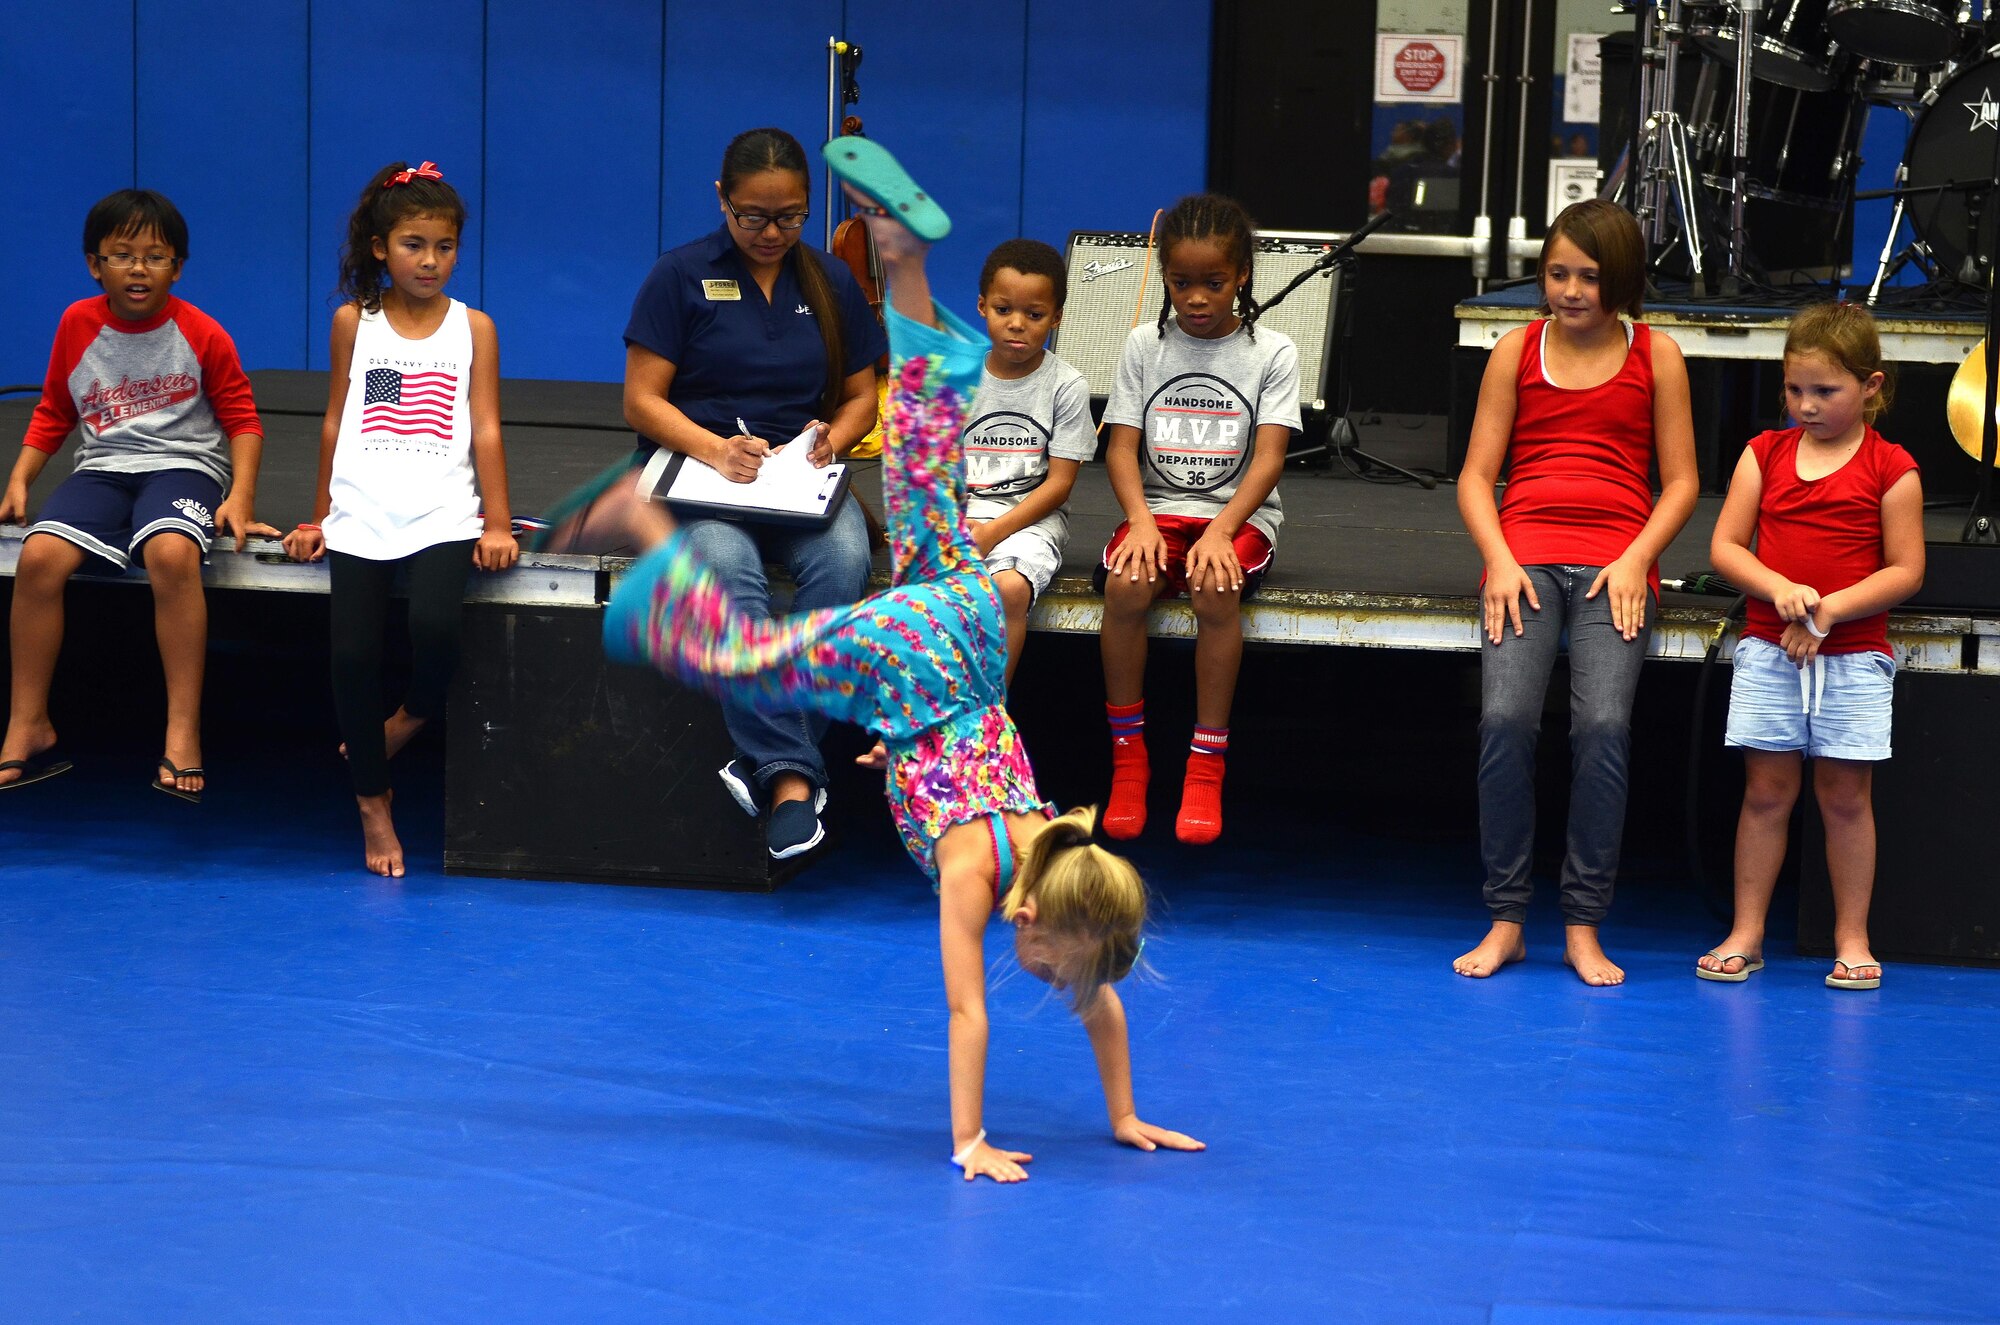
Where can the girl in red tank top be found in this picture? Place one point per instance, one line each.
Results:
(1575, 409)
(1837, 516)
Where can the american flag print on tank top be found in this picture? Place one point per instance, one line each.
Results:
(402, 476)
(408, 404)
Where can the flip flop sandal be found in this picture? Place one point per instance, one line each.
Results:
(193, 771)
(869, 167)
(1751, 965)
(36, 768)
(577, 504)
(1850, 982)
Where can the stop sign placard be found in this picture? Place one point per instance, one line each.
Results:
(1419, 66)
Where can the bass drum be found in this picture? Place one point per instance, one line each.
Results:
(1789, 44)
(1953, 142)
(1912, 32)
(1804, 147)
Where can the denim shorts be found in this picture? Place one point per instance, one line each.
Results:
(1838, 707)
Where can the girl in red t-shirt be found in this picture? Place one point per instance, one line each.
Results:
(1578, 407)
(1838, 518)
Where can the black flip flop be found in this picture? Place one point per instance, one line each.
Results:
(195, 771)
(36, 768)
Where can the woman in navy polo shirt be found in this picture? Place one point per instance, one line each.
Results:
(738, 342)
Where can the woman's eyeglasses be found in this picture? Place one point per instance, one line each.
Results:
(754, 221)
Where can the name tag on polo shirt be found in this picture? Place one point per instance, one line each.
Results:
(719, 291)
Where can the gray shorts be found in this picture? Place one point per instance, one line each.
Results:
(1031, 552)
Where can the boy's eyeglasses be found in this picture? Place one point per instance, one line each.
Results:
(127, 261)
(754, 221)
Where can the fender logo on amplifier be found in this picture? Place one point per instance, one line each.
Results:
(1092, 270)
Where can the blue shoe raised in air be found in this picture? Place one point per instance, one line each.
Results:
(794, 827)
(869, 167)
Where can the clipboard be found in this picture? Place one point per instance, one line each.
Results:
(794, 493)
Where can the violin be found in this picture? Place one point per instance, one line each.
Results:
(853, 245)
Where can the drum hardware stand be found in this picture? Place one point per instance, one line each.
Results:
(1886, 265)
(1978, 525)
(1980, 264)
(1664, 171)
(1739, 240)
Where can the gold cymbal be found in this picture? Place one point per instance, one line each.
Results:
(1962, 403)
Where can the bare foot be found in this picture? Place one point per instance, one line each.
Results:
(1582, 954)
(398, 730)
(1503, 945)
(182, 752)
(617, 521)
(380, 845)
(24, 741)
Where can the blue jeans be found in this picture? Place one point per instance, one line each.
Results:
(1514, 680)
(830, 568)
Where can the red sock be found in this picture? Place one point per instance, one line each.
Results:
(1200, 820)
(1125, 812)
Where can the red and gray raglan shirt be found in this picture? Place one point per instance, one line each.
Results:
(167, 393)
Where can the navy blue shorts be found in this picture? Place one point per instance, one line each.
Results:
(111, 515)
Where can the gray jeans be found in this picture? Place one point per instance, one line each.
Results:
(1514, 681)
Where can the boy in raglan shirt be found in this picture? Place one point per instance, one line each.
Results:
(167, 426)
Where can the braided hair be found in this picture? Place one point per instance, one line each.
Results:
(1212, 216)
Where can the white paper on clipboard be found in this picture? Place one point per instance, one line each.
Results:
(787, 482)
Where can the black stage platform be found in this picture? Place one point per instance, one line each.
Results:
(1341, 535)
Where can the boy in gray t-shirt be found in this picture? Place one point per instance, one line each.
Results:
(1026, 433)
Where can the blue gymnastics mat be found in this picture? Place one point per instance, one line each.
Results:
(241, 1081)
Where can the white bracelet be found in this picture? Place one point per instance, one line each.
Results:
(964, 1152)
(1812, 627)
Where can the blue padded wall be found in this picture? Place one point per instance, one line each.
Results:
(573, 111)
(68, 142)
(1117, 113)
(361, 121)
(709, 100)
(222, 131)
(951, 109)
(583, 140)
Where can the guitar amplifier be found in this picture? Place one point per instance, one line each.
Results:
(1114, 286)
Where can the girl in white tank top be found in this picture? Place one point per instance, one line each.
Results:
(410, 444)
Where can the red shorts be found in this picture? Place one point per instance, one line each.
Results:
(1253, 551)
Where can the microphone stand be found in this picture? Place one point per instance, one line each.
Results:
(1341, 438)
(1977, 267)
(1979, 525)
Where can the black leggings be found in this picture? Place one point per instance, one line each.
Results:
(437, 578)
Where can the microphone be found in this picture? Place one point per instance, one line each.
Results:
(1368, 227)
(1341, 252)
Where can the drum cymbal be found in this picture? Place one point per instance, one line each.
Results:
(1962, 403)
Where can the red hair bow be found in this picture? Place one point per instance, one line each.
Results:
(428, 170)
